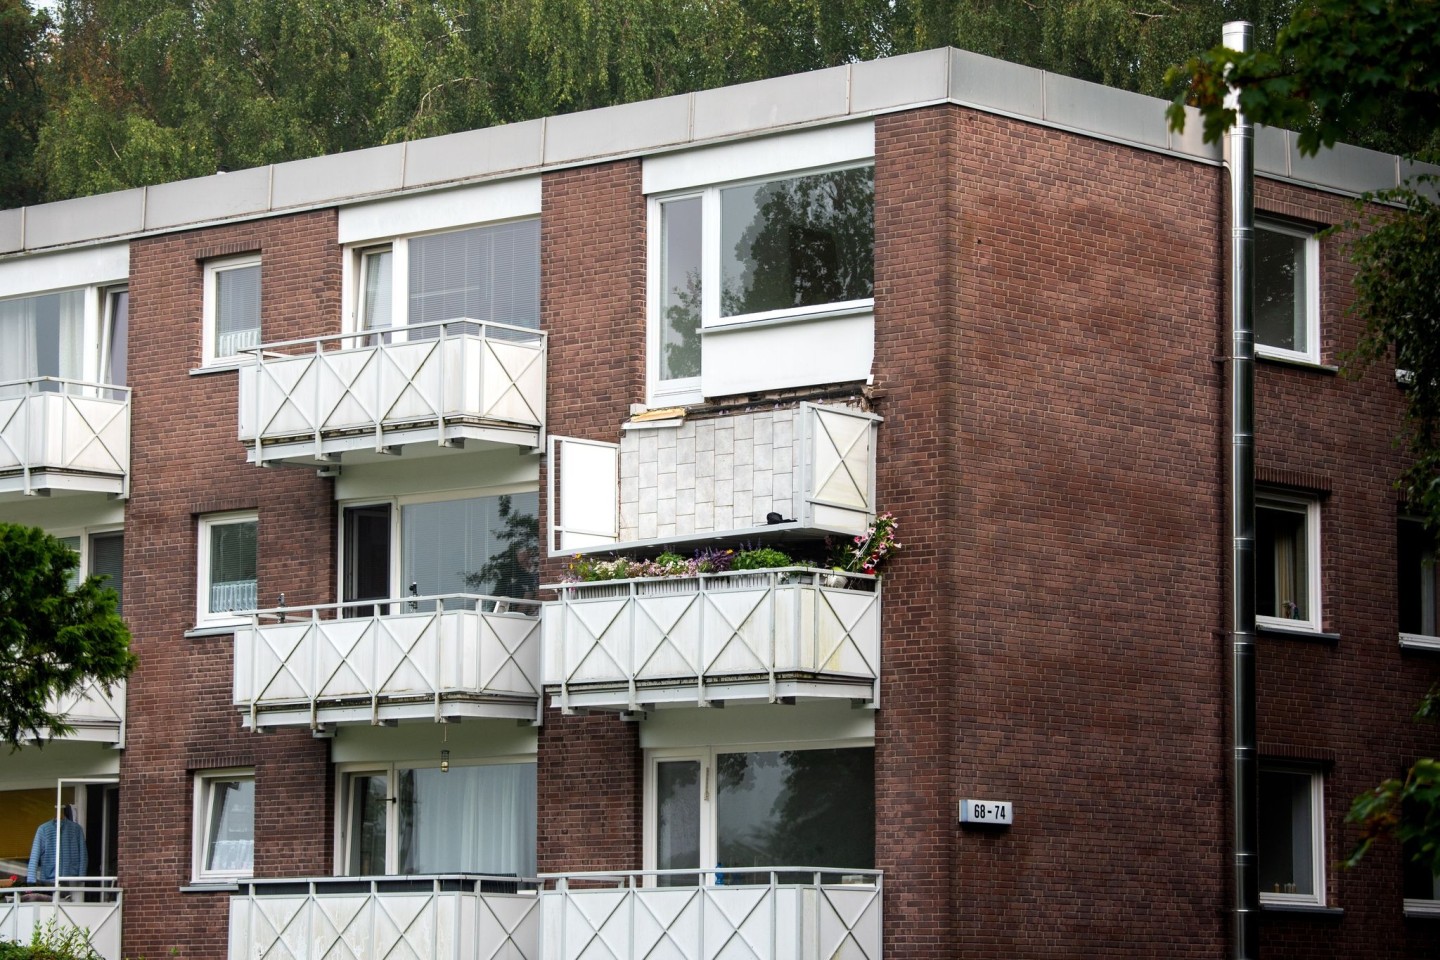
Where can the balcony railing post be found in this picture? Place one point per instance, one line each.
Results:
(633, 603)
(440, 391)
(700, 660)
(315, 414)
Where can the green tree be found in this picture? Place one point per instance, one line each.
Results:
(22, 102)
(54, 637)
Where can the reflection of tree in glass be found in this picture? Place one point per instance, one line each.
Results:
(682, 330)
(811, 241)
(409, 814)
(514, 569)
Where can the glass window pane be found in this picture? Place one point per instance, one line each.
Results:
(1280, 284)
(375, 299)
(107, 558)
(474, 819)
(1416, 578)
(680, 223)
(677, 819)
(487, 274)
(797, 242)
(42, 336)
(1287, 849)
(230, 841)
(486, 545)
(73, 543)
(117, 307)
(237, 309)
(368, 811)
(812, 808)
(233, 577)
(1283, 577)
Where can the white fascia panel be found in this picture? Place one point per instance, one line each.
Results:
(443, 210)
(91, 266)
(744, 159)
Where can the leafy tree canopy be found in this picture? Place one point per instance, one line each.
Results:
(54, 637)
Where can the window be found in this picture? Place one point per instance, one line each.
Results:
(478, 545)
(1292, 849)
(487, 274)
(43, 336)
(224, 821)
(115, 337)
(1421, 886)
(227, 567)
(410, 819)
(101, 554)
(1287, 292)
(232, 308)
(1287, 562)
(769, 807)
(1416, 579)
(776, 248)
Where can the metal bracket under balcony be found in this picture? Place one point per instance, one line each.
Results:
(762, 913)
(438, 659)
(426, 387)
(453, 917)
(767, 636)
(64, 436)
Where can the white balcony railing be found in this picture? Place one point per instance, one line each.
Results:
(437, 383)
(64, 435)
(93, 910)
(757, 635)
(432, 658)
(826, 915)
(382, 918)
(95, 714)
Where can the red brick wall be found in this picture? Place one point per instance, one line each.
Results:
(1344, 704)
(186, 461)
(1047, 313)
(592, 305)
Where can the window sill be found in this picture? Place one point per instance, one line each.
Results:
(220, 366)
(1295, 633)
(1424, 909)
(1419, 641)
(1312, 908)
(1298, 362)
(780, 318)
(214, 629)
(219, 886)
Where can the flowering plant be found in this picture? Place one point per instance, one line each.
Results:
(869, 550)
(589, 569)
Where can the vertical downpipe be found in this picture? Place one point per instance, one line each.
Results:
(1245, 775)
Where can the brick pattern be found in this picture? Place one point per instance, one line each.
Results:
(186, 461)
(592, 306)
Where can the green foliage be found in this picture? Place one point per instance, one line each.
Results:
(23, 43)
(51, 941)
(53, 637)
(761, 558)
(1339, 70)
(1408, 809)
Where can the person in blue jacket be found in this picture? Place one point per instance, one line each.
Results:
(71, 847)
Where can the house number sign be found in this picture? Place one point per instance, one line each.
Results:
(1000, 812)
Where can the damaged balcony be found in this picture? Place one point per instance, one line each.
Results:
(771, 636)
(441, 659)
(64, 436)
(415, 389)
(457, 917)
(767, 913)
(90, 909)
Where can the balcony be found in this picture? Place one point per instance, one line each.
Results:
(764, 635)
(96, 715)
(375, 918)
(427, 386)
(92, 910)
(828, 915)
(418, 658)
(64, 436)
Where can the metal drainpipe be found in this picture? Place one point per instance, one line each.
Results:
(1245, 773)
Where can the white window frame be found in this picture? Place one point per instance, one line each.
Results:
(688, 389)
(1429, 591)
(1317, 836)
(213, 268)
(95, 316)
(205, 781)
(1264, 566)
(207, 523)
(390, 770)
(84, 534)
(709, 808)
(1311, 319)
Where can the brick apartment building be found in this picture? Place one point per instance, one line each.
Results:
(357, 391)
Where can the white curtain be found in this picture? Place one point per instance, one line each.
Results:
(42, 336)
(473, 819)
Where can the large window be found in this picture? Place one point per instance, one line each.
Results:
(224, 819)
(1422, 886)
(43, 336)
(1292, 849)
(781, 247)
(486, 274)
(737, 808)
(101, 554)
(1287, 292)
(1415, 579)
(228, 571)
(1287, 562)
(477, 545)
(232, 308)
(411, 819)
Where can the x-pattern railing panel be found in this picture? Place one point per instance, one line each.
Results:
(90, 704)
(99, 922)
(841, 457)
(65, 425)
